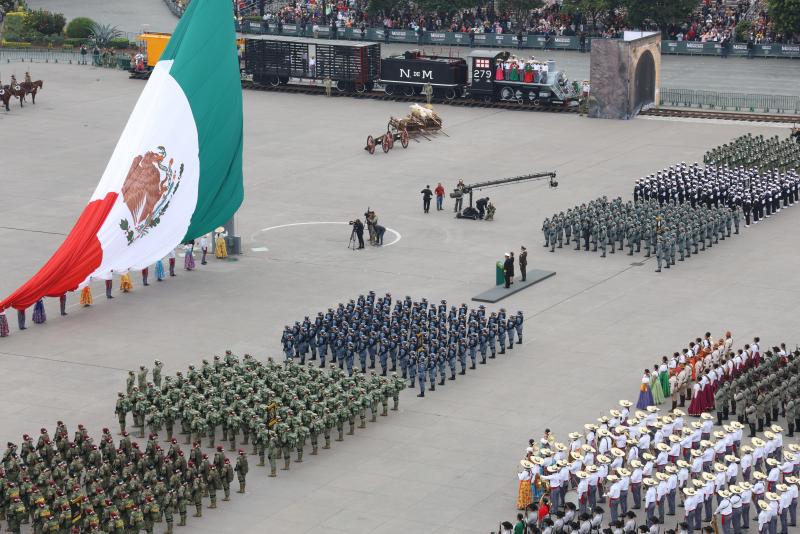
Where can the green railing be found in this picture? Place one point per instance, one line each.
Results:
(695, 98)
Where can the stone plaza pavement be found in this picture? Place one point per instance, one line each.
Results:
(443, 464)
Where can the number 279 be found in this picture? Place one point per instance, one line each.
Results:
(481, 74)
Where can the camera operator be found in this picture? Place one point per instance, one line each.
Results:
(372, 220)
(481, 205)
(458, 194)
(358, 230)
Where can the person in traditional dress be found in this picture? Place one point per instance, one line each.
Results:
(220, 248)
(145, 274)
(655, 387)
(160, 271)
(62, 303)
(696, 404)
(188, 258)
(172, 262)
(524, 497)
(39, 313)
(663, 376)
(125, 283)
(204, 249)
(645, 395)
(3, 324)
(86, 297)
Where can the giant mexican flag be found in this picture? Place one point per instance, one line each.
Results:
(176, 172)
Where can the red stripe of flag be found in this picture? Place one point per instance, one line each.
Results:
(77, 257)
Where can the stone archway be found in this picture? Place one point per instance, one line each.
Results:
(644, 81)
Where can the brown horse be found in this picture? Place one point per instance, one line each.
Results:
(5, 96)
(31, 88)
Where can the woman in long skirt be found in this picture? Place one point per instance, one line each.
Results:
(160, 270)
(696, 404)
(188, 259)
(524, 492)
(3, 324)
(663, 376)
(655, 387)
(125, 283)
(39, 315)
(86, 297)
(220, 248)
(645, 396)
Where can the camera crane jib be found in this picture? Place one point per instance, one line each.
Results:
(550, 175)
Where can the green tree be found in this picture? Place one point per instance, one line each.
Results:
(385, 6)
(591, 9)
(80, 28)
(662, 12)
(520, 9)
(786, 16)
(448, 7)
(45, 22)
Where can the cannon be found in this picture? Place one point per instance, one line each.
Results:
(386, 140)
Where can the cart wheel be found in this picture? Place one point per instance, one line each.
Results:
(387, 142)
(391, 140)
(370, 144)
(404, 138)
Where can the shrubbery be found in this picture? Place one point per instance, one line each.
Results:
(79, 28)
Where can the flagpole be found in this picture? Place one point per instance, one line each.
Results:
(234, 242)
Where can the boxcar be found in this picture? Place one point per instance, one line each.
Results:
(273, 60)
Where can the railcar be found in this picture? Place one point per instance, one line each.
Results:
(274, 60)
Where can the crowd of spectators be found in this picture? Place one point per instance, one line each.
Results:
(721, 21)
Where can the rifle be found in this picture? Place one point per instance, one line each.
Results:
(715, 524)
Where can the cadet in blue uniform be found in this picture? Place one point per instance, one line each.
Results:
(421, 368)
(473, 348)
(412, 367)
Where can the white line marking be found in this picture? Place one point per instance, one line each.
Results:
(398, 237)
(259, 249)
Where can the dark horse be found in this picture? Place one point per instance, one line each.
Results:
(31, 88)
(15, 89)
(5, 96)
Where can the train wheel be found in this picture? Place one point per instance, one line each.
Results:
(389, 90)
(274, 81)
(507, 93)
(404, 138)
(360, 88)
(408, 90)
(342, 87)
(450, 94)
(536, 102)
(370, 144)
(386, 143)
(487, 99)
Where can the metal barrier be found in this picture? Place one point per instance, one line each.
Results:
(70, 57)
(677, 97)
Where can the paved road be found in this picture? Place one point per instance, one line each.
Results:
(128, 16)
(445, 464)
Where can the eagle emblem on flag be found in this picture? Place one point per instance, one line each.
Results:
(147, 191)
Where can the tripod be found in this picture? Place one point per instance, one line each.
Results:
(352, 243)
